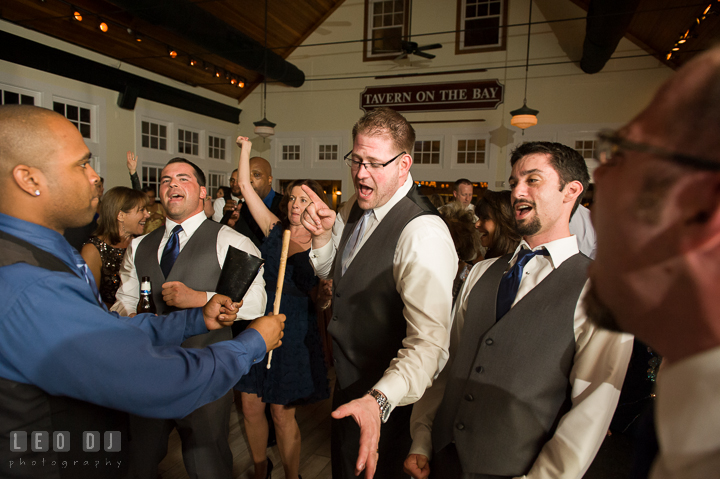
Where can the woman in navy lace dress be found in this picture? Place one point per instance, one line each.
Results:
(123, 214)
(298, 374)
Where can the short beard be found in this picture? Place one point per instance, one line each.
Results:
(529, 227)
(598, 313)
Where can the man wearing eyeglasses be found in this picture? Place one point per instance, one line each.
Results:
(393, 263)
(531, 385)
(657, 214)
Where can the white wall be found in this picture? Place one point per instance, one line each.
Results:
(573, 105)
(115, 130)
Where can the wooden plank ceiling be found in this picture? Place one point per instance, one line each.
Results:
(288, 26)
(658, 26)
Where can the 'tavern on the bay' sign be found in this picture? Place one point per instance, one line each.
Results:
(473, 95)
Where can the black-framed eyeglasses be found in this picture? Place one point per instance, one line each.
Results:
(609, 143)
(355, 165)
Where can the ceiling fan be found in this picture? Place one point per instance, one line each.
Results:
(413, 48)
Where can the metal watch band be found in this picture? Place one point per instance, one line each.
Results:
(382, 402)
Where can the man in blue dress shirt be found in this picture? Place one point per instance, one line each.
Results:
(66, 363)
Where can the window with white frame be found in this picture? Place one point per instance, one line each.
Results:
(151, 177)
(154, 136)
(481, 25)
(216, 147)
(427, 152)
(79, 115)
(291, 152)
(214, 181)
(471, 151)
(327, 152)
(188, 142)
(587, 148)
(17, 96)
(386, 27)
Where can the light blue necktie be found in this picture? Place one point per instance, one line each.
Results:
(355, 240)
(171, 251)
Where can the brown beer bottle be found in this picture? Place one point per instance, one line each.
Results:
(146, 303)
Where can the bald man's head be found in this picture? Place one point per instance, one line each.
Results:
(260, 176)
(24, 137)
(45, 169)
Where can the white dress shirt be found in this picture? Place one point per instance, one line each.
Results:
(218, 206)
(128, 294)
(599, 367)
(687, 418)
(424, 267)
(581, 226)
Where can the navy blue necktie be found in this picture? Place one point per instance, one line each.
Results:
(89, 279)
(510, 282)
(171, 251)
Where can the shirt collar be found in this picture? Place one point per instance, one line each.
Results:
(560, 249)
(44, 238)
(401, 193)
(269, 198)
(190, 225)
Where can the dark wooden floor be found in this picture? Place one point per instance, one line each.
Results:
(314, 422)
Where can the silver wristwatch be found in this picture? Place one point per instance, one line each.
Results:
(382, 402)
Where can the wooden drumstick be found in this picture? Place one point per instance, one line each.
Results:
(280, 280)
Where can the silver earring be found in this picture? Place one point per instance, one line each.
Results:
(37, 192)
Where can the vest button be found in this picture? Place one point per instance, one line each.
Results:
(479, 369)
(460, 426)
(334, 318)
(489, 341)
(337, 295)
(469, 397)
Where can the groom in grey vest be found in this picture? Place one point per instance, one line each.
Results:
(184, 261)
(531, 385)
(394, 263)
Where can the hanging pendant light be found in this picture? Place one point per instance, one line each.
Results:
(265, 128)
(525, 117)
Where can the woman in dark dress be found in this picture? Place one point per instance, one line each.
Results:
(122, 217)
(298, 374)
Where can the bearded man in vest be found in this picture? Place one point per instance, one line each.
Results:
(199, 246)
(392, 262)
(531, 385)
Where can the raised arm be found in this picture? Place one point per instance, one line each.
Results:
(262, 215)
(132, 169)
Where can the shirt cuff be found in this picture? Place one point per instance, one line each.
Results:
(195, 323)
(323, 254)
(209, 295)
(254, 344)
(394, 388)
(422, 443)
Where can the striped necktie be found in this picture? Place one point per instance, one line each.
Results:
(354, 241)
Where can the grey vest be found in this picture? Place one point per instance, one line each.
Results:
(368, 324)
(24, 407)
(196, 267)
(508, 385)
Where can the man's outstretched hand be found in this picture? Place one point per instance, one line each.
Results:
(220, 312)
(366, 412)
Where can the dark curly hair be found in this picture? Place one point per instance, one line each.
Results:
(496, 206)
(461, 223)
